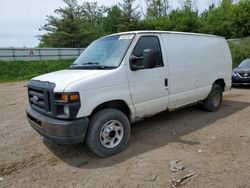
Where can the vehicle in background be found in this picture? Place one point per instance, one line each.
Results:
(123, 78)
(241, 74)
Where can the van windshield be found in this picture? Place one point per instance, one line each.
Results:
(106, 52)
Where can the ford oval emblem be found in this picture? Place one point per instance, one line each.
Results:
(245, 74)
(35, 99)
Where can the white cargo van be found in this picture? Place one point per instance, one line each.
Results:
(123, 78)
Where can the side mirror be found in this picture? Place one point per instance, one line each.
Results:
(147, 61)
(149, 58)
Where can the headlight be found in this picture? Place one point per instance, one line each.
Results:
(66, 110)
(234, 74)
(67, 105)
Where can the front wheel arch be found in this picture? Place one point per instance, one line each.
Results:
(220, 82)
(120, 105)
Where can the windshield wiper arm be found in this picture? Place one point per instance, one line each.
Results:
(97, 65)
(94, 66)
(83, 65)
(73, 65)
(91, 63)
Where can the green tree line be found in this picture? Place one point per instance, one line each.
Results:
(77, 25)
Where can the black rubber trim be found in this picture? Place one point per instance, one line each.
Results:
(47, 87)
(62, 131)
(52, 108)
(241, 83)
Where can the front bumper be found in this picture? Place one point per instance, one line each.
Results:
(240, 81)
(243, 84)
(61, 131)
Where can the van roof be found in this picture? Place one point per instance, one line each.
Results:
(166, 32)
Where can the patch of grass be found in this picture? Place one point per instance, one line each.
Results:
(25, 70)
(240, 50)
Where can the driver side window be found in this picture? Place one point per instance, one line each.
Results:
(148, 42)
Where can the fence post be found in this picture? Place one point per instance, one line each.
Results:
(79, 51)
(13, 51)
(39, 53)
(59, 53)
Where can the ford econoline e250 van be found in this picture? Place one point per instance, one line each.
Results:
(123, 78)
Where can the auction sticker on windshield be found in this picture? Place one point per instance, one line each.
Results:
(126, 37)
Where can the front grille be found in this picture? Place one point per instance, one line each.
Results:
(41, 97)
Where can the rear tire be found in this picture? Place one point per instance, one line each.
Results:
(213, 102)
(108, 133)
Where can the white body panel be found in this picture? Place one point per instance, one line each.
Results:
(192, 63)
(195, 62)
(66, 77)
(148, 92)
(101, 88)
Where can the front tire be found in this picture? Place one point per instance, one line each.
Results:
(213, 102)
(108, 133)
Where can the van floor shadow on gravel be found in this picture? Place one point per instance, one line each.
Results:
(148, 135)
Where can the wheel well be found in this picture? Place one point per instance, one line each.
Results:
(221, 83)
(117, 104)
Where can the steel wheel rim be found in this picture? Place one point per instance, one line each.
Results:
(111, 134)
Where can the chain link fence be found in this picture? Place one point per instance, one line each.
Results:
(36, 54)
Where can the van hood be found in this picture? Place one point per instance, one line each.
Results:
(64, 78)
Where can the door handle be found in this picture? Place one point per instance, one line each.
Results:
(166, 82)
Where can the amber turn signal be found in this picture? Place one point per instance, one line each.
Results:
(65, 97)
(74, 97)
(69, 97)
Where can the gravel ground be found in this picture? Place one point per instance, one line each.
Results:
(216, 146)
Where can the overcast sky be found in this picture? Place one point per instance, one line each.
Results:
(20, 20)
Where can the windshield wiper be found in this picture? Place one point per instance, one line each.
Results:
(81, 66)
(94, 65)
(73, 65)
(91, 65)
